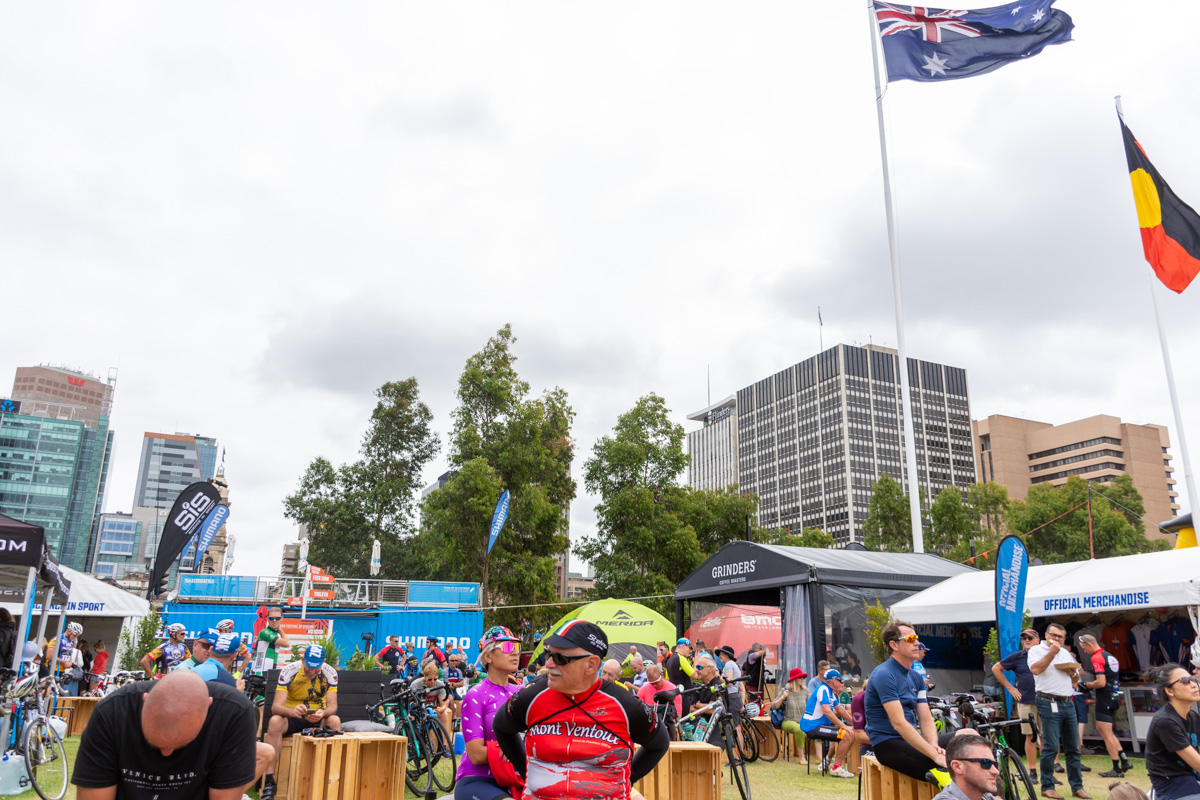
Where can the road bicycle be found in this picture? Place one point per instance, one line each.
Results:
(430, 753)
(1015, 783)
(24, 720)
(691, 728)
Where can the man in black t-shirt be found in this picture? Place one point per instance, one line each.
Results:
(178, 738)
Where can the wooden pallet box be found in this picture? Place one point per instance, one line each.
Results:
(883, 783)
(694, 771)
(381, 766)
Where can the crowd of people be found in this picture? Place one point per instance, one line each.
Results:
(578, 717)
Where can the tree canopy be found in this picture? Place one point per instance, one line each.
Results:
(651, 531)
(344, 508)
(503, 438)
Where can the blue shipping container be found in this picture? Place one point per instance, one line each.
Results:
(454, 628)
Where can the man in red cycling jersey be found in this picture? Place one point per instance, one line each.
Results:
(579, 730)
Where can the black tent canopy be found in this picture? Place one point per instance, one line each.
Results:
(24, 557)
(820, 593)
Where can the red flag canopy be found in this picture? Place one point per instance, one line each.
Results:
(739, 627)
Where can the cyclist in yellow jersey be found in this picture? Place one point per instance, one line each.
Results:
(306, 697)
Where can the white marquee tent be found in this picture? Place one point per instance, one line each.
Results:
(1150, 580)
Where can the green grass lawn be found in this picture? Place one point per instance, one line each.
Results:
(71, 744)
(786, 780)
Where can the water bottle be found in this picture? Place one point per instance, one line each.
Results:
(701, 731)
(390, 720)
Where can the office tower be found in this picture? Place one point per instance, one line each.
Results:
(713, 447)
(1019, 453)
(60, 393)
(813, 438)
(169, 464)
(53, 473)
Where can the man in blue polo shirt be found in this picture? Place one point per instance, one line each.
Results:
(896, 705)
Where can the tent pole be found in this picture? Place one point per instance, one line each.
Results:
(19, 645)
(45, 613)
(62, 622)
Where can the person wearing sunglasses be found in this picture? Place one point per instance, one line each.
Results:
(500, 655)
(899, 722)
(1172, 761)
(1024, 694)
(973, 769)
(580, 731)
(271, 639)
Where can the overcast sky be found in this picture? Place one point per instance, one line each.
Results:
(261, 212)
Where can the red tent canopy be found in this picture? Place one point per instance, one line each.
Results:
(739, 627)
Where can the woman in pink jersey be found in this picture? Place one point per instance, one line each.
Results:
(484, 774)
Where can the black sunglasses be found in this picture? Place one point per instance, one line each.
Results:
(986, 763)
(1192, 679)
(274, 619)
(562, 661)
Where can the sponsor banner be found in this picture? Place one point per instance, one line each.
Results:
(1012, 569)
(303, 631)
(953, 646)
(498, 518)
(191, 508)
(21, 545)
(212, 525)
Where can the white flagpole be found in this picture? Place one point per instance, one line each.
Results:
(1188, 480)
(910, 441)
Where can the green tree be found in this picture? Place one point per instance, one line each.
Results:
(1058, 534)
(644, 544)
(888, 525)
(345, 508)
(951, 522)
(504, 439)
(719, 517)
(808, 537)
(989, 501)
(135, 642)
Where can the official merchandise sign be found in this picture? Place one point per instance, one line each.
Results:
(1097, 602)
(1012, 569)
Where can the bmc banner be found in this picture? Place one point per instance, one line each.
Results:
(498, 518)
(1012, 569)
(191, 508)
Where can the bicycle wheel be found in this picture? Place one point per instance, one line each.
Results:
(46, 760)
(748, 744)
(737, 765)
(766, 751)
(443, 766)
(417, 774)
(1014, 777)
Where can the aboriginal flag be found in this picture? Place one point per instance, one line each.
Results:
(1170, 228)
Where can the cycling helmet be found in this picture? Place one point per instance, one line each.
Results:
(225, 625)
(176, 627)
(498, 633)
(75, 628)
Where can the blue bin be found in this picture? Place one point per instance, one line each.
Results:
(460, 744)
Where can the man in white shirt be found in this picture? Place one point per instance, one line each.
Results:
(1054, 673)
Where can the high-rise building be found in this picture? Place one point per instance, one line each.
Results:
(127, 544)
(53, 473)
(713, 447)
(813, 439)
(291, 557)
(1019, 453)
(169, 464)
(60, 393)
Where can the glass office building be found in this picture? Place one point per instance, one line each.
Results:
(170, 463)
(53, 473)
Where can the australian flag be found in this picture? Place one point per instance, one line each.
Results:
(937, 44)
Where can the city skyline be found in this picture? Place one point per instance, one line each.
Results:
(642, 202)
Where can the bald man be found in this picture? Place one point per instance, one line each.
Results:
(178, 738)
